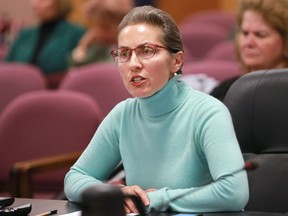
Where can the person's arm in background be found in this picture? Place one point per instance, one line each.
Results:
(104, 17)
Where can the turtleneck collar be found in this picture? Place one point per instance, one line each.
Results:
(165, 100)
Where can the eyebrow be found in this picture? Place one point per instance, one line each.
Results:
(126, 47)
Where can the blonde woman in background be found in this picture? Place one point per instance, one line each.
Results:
(261, 38)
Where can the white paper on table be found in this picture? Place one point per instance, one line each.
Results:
(79, 213)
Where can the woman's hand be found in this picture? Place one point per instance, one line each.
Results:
(135, 190)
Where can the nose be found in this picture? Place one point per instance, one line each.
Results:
(134, 61)
(249, 40)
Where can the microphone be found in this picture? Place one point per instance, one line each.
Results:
(248, 166)
(106, 200)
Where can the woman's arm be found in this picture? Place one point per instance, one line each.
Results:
(228, 190)
(96, 163)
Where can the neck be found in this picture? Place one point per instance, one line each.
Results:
(165, 100)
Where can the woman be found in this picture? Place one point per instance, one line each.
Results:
(171, 139)
(261, 38)
(49, 44)
(96, 43)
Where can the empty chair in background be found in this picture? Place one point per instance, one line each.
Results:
(216, 17)
(102, 81)
(199, 38)
(188, 56)
(44, 124)
(207, 74)
(258, 104)
(16, 79)
(224, 50)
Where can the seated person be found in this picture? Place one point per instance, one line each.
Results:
(172, 140)
(261, 38)
(104, 17)
(49, 44)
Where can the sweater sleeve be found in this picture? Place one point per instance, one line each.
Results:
(228, 190)
(97, 161)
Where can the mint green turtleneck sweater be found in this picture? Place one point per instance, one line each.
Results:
(176, 141)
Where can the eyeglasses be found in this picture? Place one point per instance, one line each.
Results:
(145, 51)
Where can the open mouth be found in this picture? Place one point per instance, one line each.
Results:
(136, 80)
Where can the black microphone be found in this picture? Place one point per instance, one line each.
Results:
(248, 166)
(107, 200)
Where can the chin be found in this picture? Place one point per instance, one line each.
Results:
(141, 94)
(253, 65)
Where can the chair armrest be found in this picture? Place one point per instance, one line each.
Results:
(22, 172)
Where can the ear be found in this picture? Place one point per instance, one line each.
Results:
(177, 61)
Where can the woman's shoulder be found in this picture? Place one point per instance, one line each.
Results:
(204, 101)
(128, 103)
(29, 30)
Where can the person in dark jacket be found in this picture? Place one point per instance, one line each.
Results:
(49, 43)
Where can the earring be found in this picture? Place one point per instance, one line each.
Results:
(175, 74)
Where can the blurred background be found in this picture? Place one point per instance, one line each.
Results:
(179, 9)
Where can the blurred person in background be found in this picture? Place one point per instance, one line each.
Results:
(100, 39)
(49, 44)
(261, 38)
(104, 17)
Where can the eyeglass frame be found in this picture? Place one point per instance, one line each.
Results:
(135, 49)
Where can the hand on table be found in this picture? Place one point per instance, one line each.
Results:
(135, 190)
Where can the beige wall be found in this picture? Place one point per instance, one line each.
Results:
(19, 10)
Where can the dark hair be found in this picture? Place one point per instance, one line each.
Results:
(148, 14)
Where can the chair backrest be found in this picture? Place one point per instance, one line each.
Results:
(16, 79)
(224, 50)
(218, 69)
(258, 104)
(215, 17)
(46, 123)
(102, 81)
(199, 38)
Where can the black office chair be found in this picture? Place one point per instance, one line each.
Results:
(258, 103)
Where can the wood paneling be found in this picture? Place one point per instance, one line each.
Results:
(77, 14)
(229, 5)
(180, 9)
